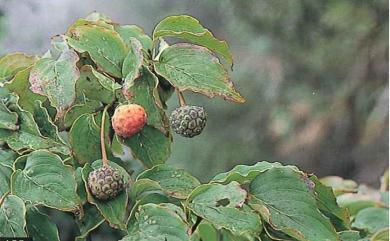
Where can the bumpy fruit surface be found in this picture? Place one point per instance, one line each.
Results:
(105, 183)
(128, 120)
(189, 120)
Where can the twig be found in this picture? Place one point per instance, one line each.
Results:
(182, 101)
(102, 142)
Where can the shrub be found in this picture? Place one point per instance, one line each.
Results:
(60, 151)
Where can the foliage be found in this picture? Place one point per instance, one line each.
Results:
(51, 129)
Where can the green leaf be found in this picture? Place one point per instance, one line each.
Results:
(286, 201)
(349, 235)
(188, 28)
(146, 198)
(7, 158)
(150, 146)
(40, 227)
(28, 137)
(143, 187)
(174, 182)
(8, 119)
(104, 45)
(92, 19)
(47, 181)
(339, 185)
(372, 219)
(112, 210)
(10, 64)
(205, 231)
(84, 138)
(20, 85)
(381, 235)
(58, 45)
(228, 236)
(133, 31)
(143, 91)
(356, 202)
(157, 222)
(223, 206)
(132, 63)
(81, 191)
(56, 79)
(95, 86)
(85, 107)
(90, 220)
(194, 68)
(243, 173)
(12, 217)
(45, 124)
(326, 202)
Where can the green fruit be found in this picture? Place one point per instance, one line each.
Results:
(105, 183)
(189, 120)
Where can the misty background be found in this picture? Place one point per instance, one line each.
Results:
(314, 74)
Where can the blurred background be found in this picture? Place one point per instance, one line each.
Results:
(314, 73)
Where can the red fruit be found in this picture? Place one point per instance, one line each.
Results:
(128, 120)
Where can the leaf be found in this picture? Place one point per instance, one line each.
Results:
(81, 191)
(92, 19)
(372, 219)
(56, 79)
(90, 221)
(205, 231)
(150, 146)
(147, 198)
(112, 210)
(156, 222)
(228, 236)
(95, 86)
(143, 187)
(28, 137)
(326, 202)
(77, 110)
(40, 227)
(132, 63)
(286, 201)
(243, 173)
(223, 206)
(45, 180)
(20, 85)
(339, 185)
(194, 68)
(188, 28)
(84, 138)
(7, 158)
(349, 235)
(174, 182)
(58, 45)
(10, 64)
(133, 31)
(45, 124)
(12, 217)
(104, 45)
(356, 202)
(8, 119)
(381, 235)
(143, 91)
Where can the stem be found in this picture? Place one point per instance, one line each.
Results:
(182, 101)
(4, 197)
(102, 142)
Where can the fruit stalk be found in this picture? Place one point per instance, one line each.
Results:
(182, 101)
(102, 143)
